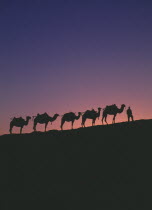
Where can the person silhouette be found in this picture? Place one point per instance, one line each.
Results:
(129, 114)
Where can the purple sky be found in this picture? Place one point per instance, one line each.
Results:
(61, 55)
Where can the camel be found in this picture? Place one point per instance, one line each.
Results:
(19, 122)
(69, 117)
(90, 114)
(43, 119)
(112, 110)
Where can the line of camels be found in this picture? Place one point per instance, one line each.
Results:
(68, 117)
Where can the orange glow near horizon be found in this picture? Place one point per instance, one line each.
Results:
(77, 124)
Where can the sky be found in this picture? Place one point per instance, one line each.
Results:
(58, 56)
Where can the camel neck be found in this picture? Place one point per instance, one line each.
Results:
(26, 122)
(98, 113)
(77, 117)
(53, 118)
(121, 109)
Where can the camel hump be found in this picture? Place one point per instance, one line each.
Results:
(44, 115)
(113, 106)
(90, 112)
(87, 112)
(18, 119)
(93, 111)
(69, 114)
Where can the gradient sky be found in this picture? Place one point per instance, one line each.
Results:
(71, 55)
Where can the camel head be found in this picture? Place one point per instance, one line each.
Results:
(123, 106)
(28, 118)
(53, 118)
(56, 115)
(79, 115)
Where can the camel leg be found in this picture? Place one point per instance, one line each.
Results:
(93, 122)
(83, 122)
(10, 130)
(62, 123)
(106, 119)
(114, 119)
(72, 124)
(34, 127)
(46, 126)
(21, 130)
(102, 119)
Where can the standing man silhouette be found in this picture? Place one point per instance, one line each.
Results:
(129, 114)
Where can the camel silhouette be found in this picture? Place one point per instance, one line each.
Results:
(44, 119)
(69, 117)
(112, 110)
(90, 114)
(19, 122)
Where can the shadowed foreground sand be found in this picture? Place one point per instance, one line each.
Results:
(101, 167)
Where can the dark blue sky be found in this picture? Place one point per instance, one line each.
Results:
(64, 55)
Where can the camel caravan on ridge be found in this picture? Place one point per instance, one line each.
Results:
(71, 117)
